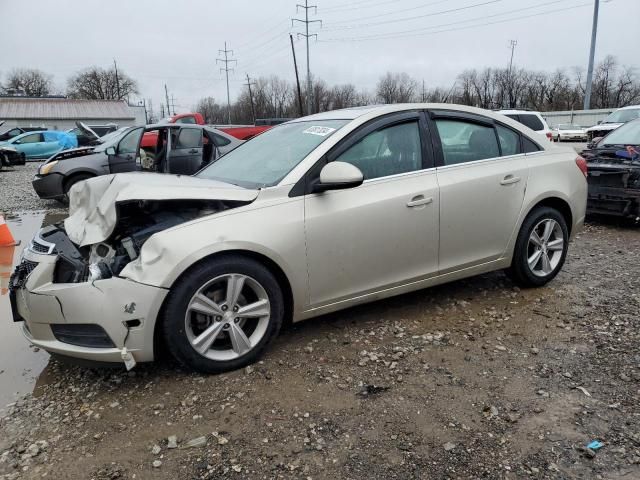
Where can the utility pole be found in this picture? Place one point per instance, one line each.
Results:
(115, 65)
(513, 44)
(423, 92)
(226, 69)
(295, 66)
(592, 52)
(253, 110)
(166, 94)
(306, 22)
(173, 104)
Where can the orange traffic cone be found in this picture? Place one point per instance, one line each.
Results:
(6, 266)
(6, 239)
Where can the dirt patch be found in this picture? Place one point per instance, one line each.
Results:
(475, 379)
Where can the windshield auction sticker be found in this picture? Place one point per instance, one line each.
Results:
(322, 131)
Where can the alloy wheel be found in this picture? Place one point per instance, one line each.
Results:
(227, 317)
(545, 247)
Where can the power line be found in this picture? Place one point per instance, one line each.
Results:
(417, 32)
(256, 55)
(226, 69)
(306, 22)
(415, 17)
(386, 14)
(356, 6)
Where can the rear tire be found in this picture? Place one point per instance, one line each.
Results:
(222, 314)
(541, 248)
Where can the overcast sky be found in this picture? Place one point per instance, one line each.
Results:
(176, 42)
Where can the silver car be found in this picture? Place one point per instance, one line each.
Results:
(313, 216)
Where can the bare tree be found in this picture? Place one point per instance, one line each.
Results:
(28, 81)
(396, 88)
(212, 111)
(96, 83)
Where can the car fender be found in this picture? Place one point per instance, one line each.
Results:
(259, 230)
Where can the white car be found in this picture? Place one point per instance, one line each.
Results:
(613, 121)
(567, 132)
(313, 216)
(533, 120)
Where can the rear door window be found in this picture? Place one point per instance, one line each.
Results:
(528, 146)
(532, 121)
(509, 141)
(463, 141)
(189, 138)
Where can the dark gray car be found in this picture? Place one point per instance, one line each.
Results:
(168, 148)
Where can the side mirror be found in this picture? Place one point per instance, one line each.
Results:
(110, 151)
(338, 176)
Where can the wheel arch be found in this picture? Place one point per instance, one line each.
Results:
(69, 177)
(270, 264)
(557, 203)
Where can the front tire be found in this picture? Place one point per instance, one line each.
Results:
(222, 314)
(541, 248)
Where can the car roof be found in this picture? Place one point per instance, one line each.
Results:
(518, 112)
(630, 107)
(375, 110)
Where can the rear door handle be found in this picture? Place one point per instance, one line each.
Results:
(419, 200)
(193, 150)
(509, 179)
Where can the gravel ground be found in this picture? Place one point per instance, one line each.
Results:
(474, 379)
(16, 192)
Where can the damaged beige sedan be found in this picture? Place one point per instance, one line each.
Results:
(313, 216)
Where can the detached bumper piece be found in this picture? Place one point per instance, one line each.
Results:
(82, 335)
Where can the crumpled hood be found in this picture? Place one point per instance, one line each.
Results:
(92, 203)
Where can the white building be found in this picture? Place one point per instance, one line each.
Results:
(59, 113)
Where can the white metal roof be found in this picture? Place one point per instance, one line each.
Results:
(63, 109)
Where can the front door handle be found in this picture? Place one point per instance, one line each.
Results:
(509, 179)
(419, 200)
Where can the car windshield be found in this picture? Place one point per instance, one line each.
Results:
(111, 139)
(569, 127)
(266, 159)
(623, 116)
(627, 134)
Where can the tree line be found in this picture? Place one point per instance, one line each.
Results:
(614, 85)
(93, 83)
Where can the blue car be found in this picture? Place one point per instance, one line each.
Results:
(41, 144)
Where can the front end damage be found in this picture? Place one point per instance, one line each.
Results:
(71, 295)
(614, 187)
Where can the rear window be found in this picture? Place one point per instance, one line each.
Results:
(531, 121)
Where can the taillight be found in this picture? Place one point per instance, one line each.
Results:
(582, 165)
(549, 136)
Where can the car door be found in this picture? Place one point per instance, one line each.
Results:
(185, 156)
(482, 176)
(383, 233)
(30, 144)
(123, 158)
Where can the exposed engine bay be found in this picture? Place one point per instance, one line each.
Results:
(614, 185)
(137, 221)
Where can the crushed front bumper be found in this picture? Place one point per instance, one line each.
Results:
(125, 310)
(49, 186)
